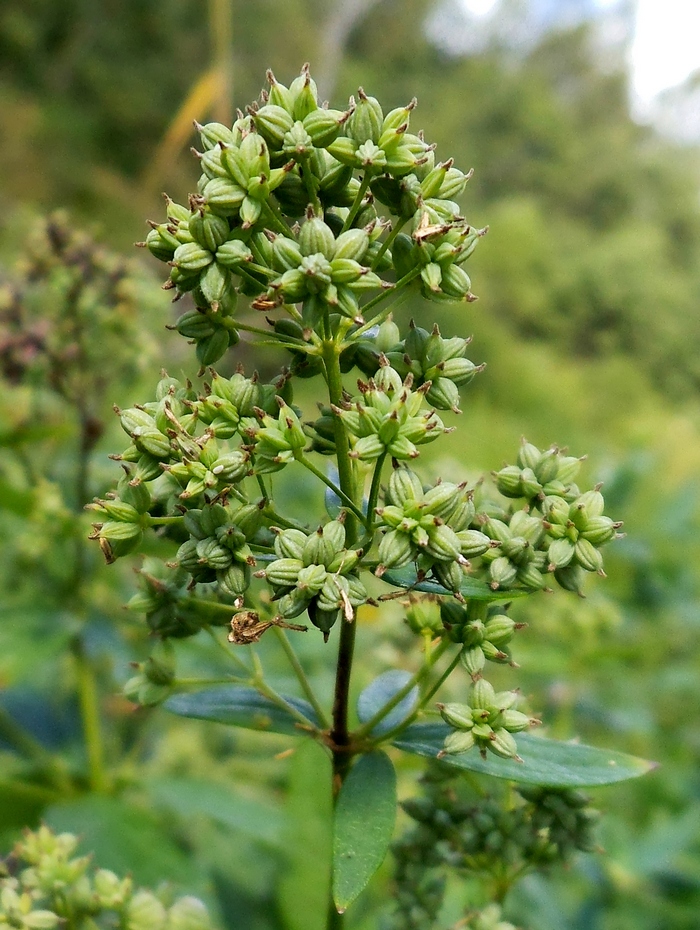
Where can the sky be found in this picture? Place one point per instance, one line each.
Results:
(666, 47)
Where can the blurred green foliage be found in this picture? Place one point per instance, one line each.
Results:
(589, 283)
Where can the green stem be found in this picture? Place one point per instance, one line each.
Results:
(276, 220)
(311, 186)
(197, 682)
(426, 697)
(339, 731)
(373, 497)
(160, 521)
(394, 701)
(301, 676)
(88, 698)
(287, 523)
(229, 653)
(269, 692)
(407, 278)
(357, 203)
(301, 458)
(400, 223)
(13, 734)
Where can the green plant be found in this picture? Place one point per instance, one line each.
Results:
(324, 219)
(43, 885)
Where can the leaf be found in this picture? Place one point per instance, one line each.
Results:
(470, 588)
(545, 761)
(192, 797)
(238, 706)
(362, 826)
(381, 691)
(127, 839)
(303, 886)
(21, 803)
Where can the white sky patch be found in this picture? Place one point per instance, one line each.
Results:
(479, 7)
(666, 46)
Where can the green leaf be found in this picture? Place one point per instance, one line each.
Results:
(238, 706)
(363, 825)
(192, 797)
(545, 761)
(127, 839)
(379, 692)
(470, 588)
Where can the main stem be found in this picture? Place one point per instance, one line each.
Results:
(346, 479)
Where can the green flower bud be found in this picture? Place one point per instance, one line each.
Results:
(395, 550)
(283, 572)
(587, 556)
(304, 94)
(144, 912)
(191, 257)
(223, 196)
(449, 575)
(458, 741)
(571, 578)
(528, 455)
(316, 236)
(423, 616)
(457, 715)
(233, 253)
(503, 744)
(208, 229)
(324, 620)
(234, 581)
(211, 348)
(213, 133)
(272, 122)
(366, 121)
(161, 244)
(431, 275)
(188, 913)
(279, 94)
(195, 324)
(560, 553)
(323, 126)
(600, 530)
(455, 282)
(311, 579)
(215, 283)
(515, 722)
(251, 211)
(473, 660)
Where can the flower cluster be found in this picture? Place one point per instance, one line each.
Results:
(280, 215)
(44, 886)
(488, 722)
(388, 418)
(315, 573)
(431, 527)
(455, 829)
(484, 632)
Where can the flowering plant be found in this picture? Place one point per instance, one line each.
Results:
(323, 220)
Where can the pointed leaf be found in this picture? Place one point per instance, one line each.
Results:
(545, 761)
(379, 692)
(363, 824)
(470, 587)
(238, 706)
